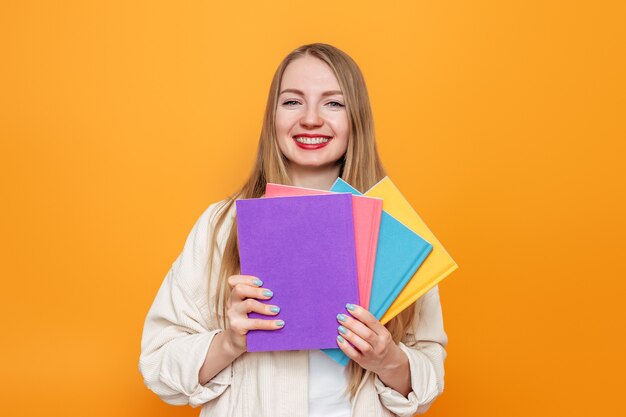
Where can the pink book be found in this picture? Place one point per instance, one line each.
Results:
(367, 212)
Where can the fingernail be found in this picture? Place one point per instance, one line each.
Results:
(350, 307)
(341, 317)
(342, 330)
(257, 282)
(280, 323)
(268, 293)
(340, 338)
(275, 309)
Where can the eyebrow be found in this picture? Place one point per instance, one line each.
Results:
(324, 94)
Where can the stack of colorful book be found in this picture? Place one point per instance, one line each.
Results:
(319, 250)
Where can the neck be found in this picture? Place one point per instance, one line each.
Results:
(318, 178)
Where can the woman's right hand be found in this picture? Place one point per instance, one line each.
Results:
(245, 291)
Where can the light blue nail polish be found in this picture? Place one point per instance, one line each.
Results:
(341, 317)
(268, 293)
(280, 323)
(340, 338)
(342, 330)
(257, 282)
(350, 307)
(275, 309)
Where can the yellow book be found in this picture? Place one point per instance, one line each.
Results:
(438, 265)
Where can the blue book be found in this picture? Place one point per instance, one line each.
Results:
(400, 253)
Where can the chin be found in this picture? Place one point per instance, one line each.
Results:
(315, 164)
(313, 159)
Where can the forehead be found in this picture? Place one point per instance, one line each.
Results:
(309, 74)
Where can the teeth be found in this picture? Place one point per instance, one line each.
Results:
(311, 141)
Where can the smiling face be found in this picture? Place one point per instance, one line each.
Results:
(312, 125)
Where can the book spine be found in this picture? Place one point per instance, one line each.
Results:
(373, 246)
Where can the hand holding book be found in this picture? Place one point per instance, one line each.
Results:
(367, 342)
(245, 291)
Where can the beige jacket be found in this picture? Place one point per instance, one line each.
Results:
(181, 324)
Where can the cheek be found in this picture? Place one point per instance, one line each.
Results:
(283, 129)
(342, 127)
(280, 127)
(344, 145)
(284, 121)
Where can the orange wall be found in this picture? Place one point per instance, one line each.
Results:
(501, 121)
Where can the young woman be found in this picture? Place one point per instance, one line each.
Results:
(318, 126)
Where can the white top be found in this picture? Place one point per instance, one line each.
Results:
(327, 387)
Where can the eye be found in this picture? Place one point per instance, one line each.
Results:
(335, 104)
(290, 102)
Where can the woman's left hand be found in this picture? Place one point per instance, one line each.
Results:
(372, 345)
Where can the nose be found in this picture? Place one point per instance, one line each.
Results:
(311, 117)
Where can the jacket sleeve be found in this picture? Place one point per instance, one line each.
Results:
(176, 334)
(425, 346)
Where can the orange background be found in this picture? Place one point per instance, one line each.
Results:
(502, 122)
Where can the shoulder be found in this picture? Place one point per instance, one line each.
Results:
(202, 230)
(211, 214)
(191, 267)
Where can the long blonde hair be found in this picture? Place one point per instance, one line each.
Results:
(360, 166)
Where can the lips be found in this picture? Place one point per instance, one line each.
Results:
(312, 141)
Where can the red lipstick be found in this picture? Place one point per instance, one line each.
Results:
(311, 146)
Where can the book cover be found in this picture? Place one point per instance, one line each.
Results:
(400, 253)
(439, 263)
(367, 212)
(303, 249)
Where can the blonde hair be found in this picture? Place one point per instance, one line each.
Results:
(360, 166)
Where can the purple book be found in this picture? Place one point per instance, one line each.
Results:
(303, 249)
